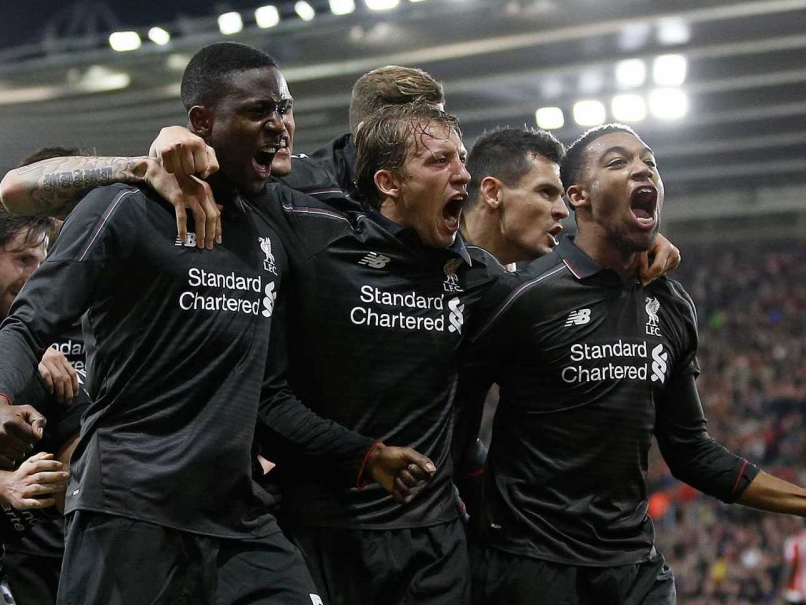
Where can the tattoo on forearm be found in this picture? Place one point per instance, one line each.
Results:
(61, 182)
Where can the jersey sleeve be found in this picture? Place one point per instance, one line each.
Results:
(690, 452)
(687, 333)
(289, 433)
(92, 242)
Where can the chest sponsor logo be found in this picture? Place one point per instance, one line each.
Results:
(190, 241)
(375, 260)
(269, 263)
(451, 283)
(407, 311)
(456, 317)
(617, 360)
(235, 293)
(652, 308)
(578, 318)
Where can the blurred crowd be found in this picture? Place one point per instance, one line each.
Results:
(751, 302)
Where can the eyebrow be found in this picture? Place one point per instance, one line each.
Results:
(624, 150)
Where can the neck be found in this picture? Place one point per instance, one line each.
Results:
(481, 227)
(593, 242)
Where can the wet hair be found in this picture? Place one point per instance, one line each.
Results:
(571, 167)
(384, 140)
(504, 153)
(392, 85)
(207, 77)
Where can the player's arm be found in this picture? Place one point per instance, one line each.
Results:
(289, 428)
(53, 187)
(86, 258)
(691, 454)
(665, 257)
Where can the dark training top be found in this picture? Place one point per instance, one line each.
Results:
(589, 367)
(327, 178)
(176, 343)
(374, 324)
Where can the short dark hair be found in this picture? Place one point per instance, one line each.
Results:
(570, 169)
(47, 153)
(384, 140)
(206, 77)
(392, 85)
(504, 153)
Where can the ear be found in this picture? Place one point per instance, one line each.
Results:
(388, 184)
(491, 191)
(201, 120)
(578, 197)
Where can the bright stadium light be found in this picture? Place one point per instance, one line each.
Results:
(630, 73)
(549, 118)
(267, 16)
(673, 31)
(628, 108)
(159, 36)
(230, 23)
(589, 113)
(668, 103)
(304, 10)
(342, 7)
(669, 70)
(381, 5)
(124, 41)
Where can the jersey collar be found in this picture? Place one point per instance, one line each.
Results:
(409, 236)
(579, 264)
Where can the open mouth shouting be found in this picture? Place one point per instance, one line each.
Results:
(452, 211)
(264, 156)
(553, 234)
(643, 205)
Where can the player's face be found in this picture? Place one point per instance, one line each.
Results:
(249, 128)
(532, 209)
(18, 260)
(433, 186)
(625, 189)
(281, 165)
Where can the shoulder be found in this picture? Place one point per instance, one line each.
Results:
(672, 294)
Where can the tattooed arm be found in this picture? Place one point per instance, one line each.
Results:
(53, 187)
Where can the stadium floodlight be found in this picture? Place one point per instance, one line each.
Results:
(628, 108)
(589, 113)
(669, 70)
(673, 30)
(159, 36)
(124, 41)
(381, 5)
(630, 73)
(230, 23)
(549, 118)
(304, 10)
(416, 0)
(342, 7)
(267, 16)
(668, 103)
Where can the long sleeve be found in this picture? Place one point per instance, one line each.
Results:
(692, 455)
(290, 432)
(59, 292)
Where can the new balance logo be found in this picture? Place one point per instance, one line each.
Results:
(660, 359)
(190, 241)
(578, 318)
(456, 318)
(375, 260)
